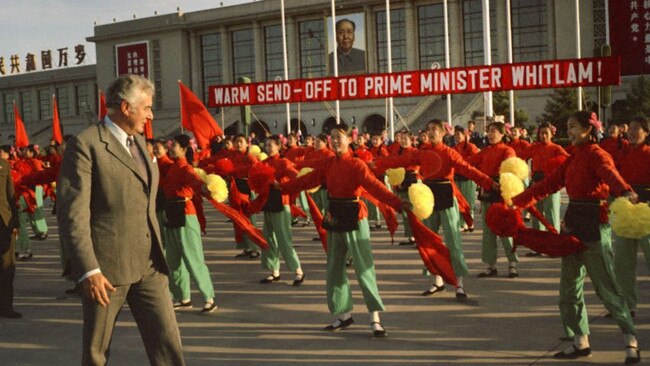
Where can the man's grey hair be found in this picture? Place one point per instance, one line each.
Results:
(129, 88)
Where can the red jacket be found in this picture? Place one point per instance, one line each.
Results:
(519, 145)
(181, 182)
(314, 156)
(345, 177)
(541, 153)
(613, 146)
(242, 162)
(634, 164)
(490, 158)
(284, 171)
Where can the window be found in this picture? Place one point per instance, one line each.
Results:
(9, 108)
(529, 35)
(274, 56)
(432, 35)
(473, 32)
(44, 104)
(62, 101)
(600, 23)
(81, 93)
(211, 62)
(243, 54)
(312, 49)
(26, 105)
(398, 40)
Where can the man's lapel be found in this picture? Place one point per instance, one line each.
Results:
(114, 147)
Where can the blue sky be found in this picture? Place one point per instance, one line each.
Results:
(30, 26)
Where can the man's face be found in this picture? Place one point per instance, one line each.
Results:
(345, 36)
(137, 114)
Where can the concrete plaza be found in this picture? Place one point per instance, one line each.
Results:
(507, 321)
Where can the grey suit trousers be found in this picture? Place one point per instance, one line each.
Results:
(151, 305)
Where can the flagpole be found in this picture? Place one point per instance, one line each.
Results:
(286, 64)
(99, 105)
(223, 118)
(336, 60)
(487, 53)
(389, 54)
(578, 51)
(447, 56)
(180, 104)
(511, 93)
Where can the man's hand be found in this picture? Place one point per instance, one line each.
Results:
(632, 196)
(94, 287)
(14, 232)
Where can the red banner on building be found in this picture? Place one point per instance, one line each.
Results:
(629, 28)
(476, 79)
(133, 58)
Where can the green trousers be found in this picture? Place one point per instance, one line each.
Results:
(302, 199)
(550, 208)
(468, 190)
(625, 251)
(449, 220)
(185, 259)
(277, 231)
(321, 199)
(373, 211)
(246, 243)
(489, 244)
(339, 246)
(598, 261)
(22, 242)
(37, 219)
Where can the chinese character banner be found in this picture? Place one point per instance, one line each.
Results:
(629, 26)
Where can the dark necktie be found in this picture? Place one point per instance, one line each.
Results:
(135, 152)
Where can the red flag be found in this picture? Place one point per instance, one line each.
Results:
(56, 123)
(22, 140)
(241, 223)
(196, 118)
(103, 111)
(148, 130)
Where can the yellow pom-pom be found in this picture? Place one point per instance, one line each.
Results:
(422, 200)
(305, 171)
(201, 173)
(262, 156)
(511, 186)
(515, 166)
(217, 187)
(629, 220)
(53, 184)
(254, 150)
(395, 176)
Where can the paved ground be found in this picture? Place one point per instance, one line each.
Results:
(511, 321)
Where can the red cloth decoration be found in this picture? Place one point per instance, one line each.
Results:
(103, 111)
(196, 118)
(148, 130)
(507, 222)
(223, 167)
(363, 154)
(297, 211)
(260, 177)
(390, 217)
(464, 207)
(56, 123)
(22, 139)
(538, 215)
(241, 223)
(551, 165)
(317, 216)
(200, 215)
(434, 253)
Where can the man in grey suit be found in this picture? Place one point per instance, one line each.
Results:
(107, 224)
(8, 232)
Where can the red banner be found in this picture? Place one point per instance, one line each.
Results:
(133, 59)
(629, 27)
(476, 79)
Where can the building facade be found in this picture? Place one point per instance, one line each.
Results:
(219, 46)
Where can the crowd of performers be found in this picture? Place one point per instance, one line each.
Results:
(339, 182)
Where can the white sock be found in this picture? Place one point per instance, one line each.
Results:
(276, 273)
(185, 301)
(437, 281)
(374, 317)
(209, 301)
(581, 341)
(345, 316)
(299, 272)
(630, 340)
(459, 290)
(459, 280)
(513, 264)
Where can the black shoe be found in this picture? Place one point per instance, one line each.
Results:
(298, 280)
(533, 254)
(461, 296)
(11, 314)
(243, 254)
(25, 257)
(436, 289)
(270, 279)
(577, 353)
(183, 305)
(42, 237)
(490, 273)
(342, 324)
(408, 242)
(254, 254)
(633, 360)
(294, 222)
(512, 272)
(349, 262)
(470, 229)
(209, 307)
(315, 239)
(378, 333)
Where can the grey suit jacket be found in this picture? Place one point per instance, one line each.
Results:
(106, 208)
(8, 208)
